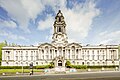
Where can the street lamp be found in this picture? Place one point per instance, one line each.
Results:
(31, 67)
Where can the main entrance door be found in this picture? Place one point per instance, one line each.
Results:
(59, 63)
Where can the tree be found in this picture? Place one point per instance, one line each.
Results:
(68, 64)
(52, 65)
(5, 42)
(2, 45)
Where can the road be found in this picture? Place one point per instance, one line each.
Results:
(77, 76)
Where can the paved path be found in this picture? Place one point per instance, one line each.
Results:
(111, 75)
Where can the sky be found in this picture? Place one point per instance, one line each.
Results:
(30, 22)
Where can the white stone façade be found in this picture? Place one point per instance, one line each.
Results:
(59, 51)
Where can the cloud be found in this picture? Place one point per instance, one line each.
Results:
(47, 23)
(78, 19)
(9, 24)
(22, 11)
(110, 37)
(12, 36)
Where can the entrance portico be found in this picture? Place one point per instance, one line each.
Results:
(59, 61)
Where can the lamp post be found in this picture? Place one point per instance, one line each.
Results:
(31, 67)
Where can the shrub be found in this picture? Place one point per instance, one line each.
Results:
(52, 65)
(68, 64)
(16, 67)
(42, 66)
(79, 66)
(10, 67)
(110, 66)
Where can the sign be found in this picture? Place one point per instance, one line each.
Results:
(31, 65)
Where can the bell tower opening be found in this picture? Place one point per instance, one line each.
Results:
(59, 19)
(59, 29)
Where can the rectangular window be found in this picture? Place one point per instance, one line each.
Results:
(16, 58)
(21, 57)
(43, 56)
(93, 57)
(83, 57)
(31, 55)
(26, 57)
(51, 56)
(76, 56)
(36, 56)
(88, 57)
(73, 56)
(47, 57)
(31, 58)
(69, 56)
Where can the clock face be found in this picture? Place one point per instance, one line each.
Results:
(59, 36)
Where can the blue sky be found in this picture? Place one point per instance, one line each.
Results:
(29, 22)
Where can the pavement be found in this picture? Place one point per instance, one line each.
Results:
(101, 75)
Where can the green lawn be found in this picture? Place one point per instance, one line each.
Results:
(18, 70)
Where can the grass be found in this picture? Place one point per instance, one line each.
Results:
(18, 70)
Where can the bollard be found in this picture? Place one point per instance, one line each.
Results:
(17, 72)
(89, 69)
(103, 69)
(116, 68)
(3, 74)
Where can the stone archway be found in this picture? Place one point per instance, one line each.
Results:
(59, 62)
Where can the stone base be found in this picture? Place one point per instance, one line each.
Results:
(60, 69)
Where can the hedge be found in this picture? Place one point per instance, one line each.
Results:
(85, 67)
(26, 67)
(110, 66)
(49, 66)
(43, 66)
(79, 66)
(15, 67)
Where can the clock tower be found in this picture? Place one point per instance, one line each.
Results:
(59, 35)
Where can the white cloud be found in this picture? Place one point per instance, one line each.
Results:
(12, 36)
(78, 19)
(9, 24)
(110, 37)
(47, 23)
(22, 11)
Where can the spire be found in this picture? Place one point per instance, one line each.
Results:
(59, 15)
(59, 11)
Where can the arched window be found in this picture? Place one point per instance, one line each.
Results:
(59, 63)
(42, 51)
(47, 49)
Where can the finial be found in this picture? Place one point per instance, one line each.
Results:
(59, 11)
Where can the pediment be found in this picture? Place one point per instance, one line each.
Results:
(46, 44)
(74, 44)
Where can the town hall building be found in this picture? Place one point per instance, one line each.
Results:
(60, 50)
